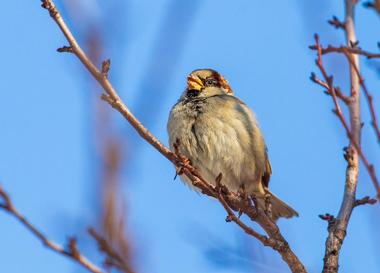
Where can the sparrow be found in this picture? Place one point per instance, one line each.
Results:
(219, 133)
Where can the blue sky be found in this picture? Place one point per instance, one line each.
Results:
(47, 161)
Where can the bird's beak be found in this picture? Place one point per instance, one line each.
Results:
(194, 83)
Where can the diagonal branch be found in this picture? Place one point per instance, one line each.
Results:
(71, 251)
(229, 200)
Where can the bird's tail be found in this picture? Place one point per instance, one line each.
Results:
(278, 207)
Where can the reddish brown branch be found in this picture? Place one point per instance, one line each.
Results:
(338, 92)
(365, 200)
(113, 258)
(367, 94)
(232, 200)
(337, 23)
(331, 90)
(343, 49)
(337, 226)
(72, 250)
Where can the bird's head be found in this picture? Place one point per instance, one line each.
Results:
(204, 83)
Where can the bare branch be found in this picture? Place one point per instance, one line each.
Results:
(331, 90)
(337, 23)
(113, 257)
(365, 200)
(338, 92)
(343, 49)
(63, 49)
(232, 200)
(368, 96)
(72, 249)
(337, 226)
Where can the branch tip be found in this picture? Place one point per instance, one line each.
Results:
(335, 22)
(73, 248)
(365, 200)
(354, 44)
(106, 67)
(48, 5)
(327, 217)
(67, 49)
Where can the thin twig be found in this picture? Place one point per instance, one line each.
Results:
(337, 226)
(338, 92)
(233, 201)
(365, 200)
(72, 249)
(113, 257)
(367, 94)
(331, 90)
(337, 23)
(352, 50)
(355, 50)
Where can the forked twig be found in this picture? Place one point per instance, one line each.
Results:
(70, 251)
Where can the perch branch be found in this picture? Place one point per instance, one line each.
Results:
(71, 251)
(232, 200)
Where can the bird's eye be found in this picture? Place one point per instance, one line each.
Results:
(192, 93)
(211, 82)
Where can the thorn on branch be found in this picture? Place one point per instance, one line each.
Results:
(353, 44)
(229, 218)
(73, 248)
(114, 102)
(365, 200)
(47, 4)
(337, 23)
(327, 217)
(349, 155)
(106, 67)
(67, 49)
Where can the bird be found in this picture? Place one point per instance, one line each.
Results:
(218, 133)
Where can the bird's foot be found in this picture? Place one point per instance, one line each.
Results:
(268, 205)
